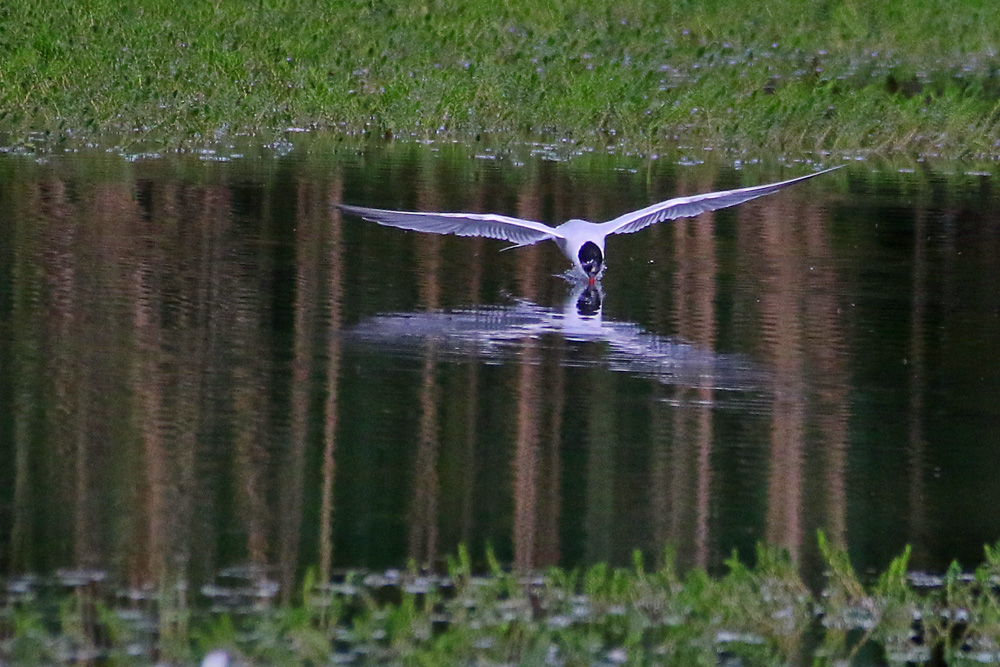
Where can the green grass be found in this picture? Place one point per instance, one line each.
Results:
(761, 615)
(919, 76)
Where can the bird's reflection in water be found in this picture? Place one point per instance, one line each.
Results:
(499, 333)
(590, 300)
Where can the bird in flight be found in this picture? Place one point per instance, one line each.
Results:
(580, 240)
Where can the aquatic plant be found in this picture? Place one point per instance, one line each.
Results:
(759, 614)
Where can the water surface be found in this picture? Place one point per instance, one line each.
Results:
(203, 365)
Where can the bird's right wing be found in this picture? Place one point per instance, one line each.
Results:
(489, 225)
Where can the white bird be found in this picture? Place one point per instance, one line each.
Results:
(580, 240)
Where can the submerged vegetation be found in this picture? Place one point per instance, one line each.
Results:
(919, 76)
(755, 615)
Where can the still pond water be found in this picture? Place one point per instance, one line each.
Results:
(204, 365)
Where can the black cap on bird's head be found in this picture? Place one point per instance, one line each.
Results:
(591, 260)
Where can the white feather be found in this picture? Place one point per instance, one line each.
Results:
(571, 236)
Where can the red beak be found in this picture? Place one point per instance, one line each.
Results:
(592, 281)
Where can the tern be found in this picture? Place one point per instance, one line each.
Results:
(580, 240)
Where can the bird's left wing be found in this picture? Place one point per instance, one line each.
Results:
(489, 225)
(686, 207)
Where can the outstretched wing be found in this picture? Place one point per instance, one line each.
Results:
(515, 230)
(687, 207)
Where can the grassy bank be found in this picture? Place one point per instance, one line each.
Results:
(756, 615)
(919, 76)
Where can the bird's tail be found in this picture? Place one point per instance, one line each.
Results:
(519, 245)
